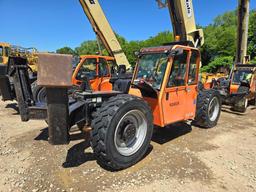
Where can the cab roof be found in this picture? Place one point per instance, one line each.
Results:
(166, 47)
(97, 56)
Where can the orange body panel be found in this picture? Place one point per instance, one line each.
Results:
(233, 88)
(207, 85)
(154, 104)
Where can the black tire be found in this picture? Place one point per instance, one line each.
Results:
(253, 101)
(240, 106)
(204, 117)
(105, 125)
(39, 93)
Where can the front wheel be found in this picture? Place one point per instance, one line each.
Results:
(121, 131)
(208, 108)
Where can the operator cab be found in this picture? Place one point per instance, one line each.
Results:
(166, 77)
(95, 69)
(244, 75)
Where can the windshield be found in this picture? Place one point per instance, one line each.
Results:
(87, 69)
(241, 75)
(151, 69)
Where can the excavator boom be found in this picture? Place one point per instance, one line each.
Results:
(103, 30)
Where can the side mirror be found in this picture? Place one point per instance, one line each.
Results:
(176, 52)
(137, 54)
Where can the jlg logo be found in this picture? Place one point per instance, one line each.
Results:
(92, 1)
(189, 9)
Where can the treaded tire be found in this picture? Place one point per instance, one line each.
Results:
(104, 125)
(253, 101)
(242, 105)
(204, 99)
(39, 93)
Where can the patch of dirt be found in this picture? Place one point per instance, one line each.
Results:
(181, 158)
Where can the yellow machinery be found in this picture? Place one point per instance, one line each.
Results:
(183, 21)
(29, 53)
(4, 52)
(242, 31)
(7, 50)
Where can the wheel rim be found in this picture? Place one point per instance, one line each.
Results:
(214, 108)
(41, 96)
(246, 103)
(130, 132)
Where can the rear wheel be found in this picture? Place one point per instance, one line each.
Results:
(121, 131)
(39, 93)
(240, 106)
(208, 108)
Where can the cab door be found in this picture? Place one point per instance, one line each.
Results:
(191, 87)
(175, 93)
(87, 68)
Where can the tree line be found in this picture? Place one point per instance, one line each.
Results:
(219, 48)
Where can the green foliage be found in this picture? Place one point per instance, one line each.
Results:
(252, 35)
(217, 63)
(220, 40)
(87, 48)
(253, 61)
(66, 50)
(218, 50)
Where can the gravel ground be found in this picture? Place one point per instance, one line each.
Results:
(181, 158)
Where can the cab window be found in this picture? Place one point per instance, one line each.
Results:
(103, 67)
(178, 72)
(1, 51)
(113, 66)
(7, 51)
(241, 75)
(193, 68)
(88, 69)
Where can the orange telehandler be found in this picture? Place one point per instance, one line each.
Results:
(164, 89)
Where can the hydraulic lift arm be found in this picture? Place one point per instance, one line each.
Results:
(242, 31)
(103, 30)
(183, 21)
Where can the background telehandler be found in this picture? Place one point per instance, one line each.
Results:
(239, 89)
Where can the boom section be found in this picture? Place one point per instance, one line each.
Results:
(103, 30)
(183, 21)
(242, 31)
